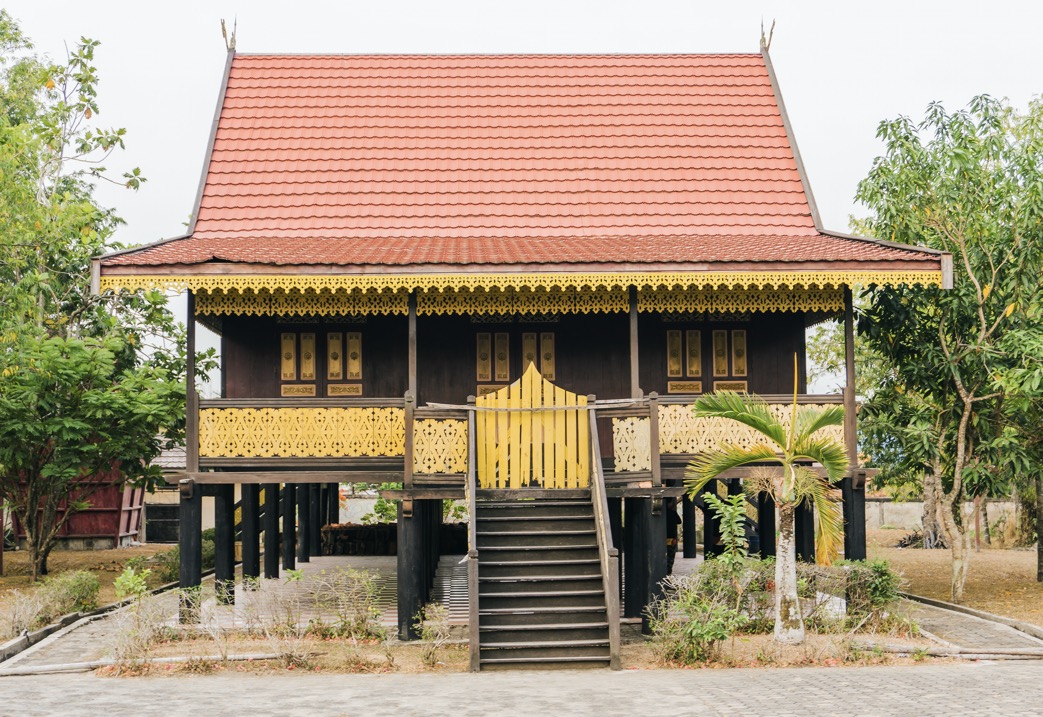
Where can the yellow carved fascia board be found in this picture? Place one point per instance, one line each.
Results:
(545, 281)
(727, 300)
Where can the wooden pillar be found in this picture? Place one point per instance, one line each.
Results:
(224, 543)
(853, 492)
(251, 531)
(804, 533)
(435, 542)
(190, 544)
(636, 518)
(271, 530)
(615, 522)
(657, 562)
(289, 526)
(711, 525)
(635, 379)
(303, 522)
(410, 565)
(314, 519)
(333, 509)
(766, 524)
(688, 527)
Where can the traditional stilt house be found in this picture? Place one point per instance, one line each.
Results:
(504, 278)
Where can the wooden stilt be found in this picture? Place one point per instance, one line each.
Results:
(766, 524)
(615, 522)
(333, 509)
(289, 526)
(314, 519)
(804, 535)
(688, 537)
(711, 526)
(411, 577)
(635, 568)
(190, 545)
(853, 489)
(303, 522)
(271, 530)
(251, 532)
(854, 502)
(224, 543)
(655, 556)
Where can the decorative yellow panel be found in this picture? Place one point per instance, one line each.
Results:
(502, 356)
(673, 354)
(291, 390)
(684, 386)
(694, 357)
(344, 389)
(524, 301)
(308, 357)
(288, 356)
(733, 386)
(301, 432)
(439, 446)
(739, 352)
(740, 300)
(484, 354)
(334, 356)
(266, 301)
(353, 339)
(548, 358)
(681, 432)
(720, 353)
(529, 349)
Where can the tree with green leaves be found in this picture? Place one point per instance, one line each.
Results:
(792, 450)
(89, 385)
(969, 183)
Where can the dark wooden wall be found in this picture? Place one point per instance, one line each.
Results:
(592, 353)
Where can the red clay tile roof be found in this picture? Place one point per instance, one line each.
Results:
(415, 160)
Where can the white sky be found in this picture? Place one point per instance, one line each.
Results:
(842, 66)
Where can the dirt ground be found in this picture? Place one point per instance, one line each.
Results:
(108, 564)
(1000, 581)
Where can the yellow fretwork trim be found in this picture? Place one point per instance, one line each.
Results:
(520, 293)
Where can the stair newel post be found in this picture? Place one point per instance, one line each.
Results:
(474, 634)
(608, 554)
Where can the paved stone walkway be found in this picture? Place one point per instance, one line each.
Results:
(1010, 689)
(968, 631)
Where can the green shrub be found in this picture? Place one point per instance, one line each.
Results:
(872, 587)
(68, 592)
(132, 583)
(690, 623)
(168, 564)
(352, 596)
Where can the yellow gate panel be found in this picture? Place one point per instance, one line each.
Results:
(533, 434)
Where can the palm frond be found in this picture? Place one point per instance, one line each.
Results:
(762, 479)
(826, 451)
(811, 420)
(829, 519)
(707, 466)
(750, 411)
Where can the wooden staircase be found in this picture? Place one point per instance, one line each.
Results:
(541, 592)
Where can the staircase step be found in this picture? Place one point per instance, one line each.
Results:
(493, 664)
(520, 601)
(592, 649)
(546, 626)
(539, 584)
(567, 632)
(534, 523)
(521, 538)
(541, 615)
(511, 568)
(550, 643)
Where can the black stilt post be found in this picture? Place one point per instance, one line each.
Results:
(314, 520)
(854, 503)
(656, 557)
(289, 526)
(333, 496)
(411, 577)
(271, 530)
(766, 524)
(804, 533)
(303, 522)
(688, 527)
(251, 532)
(224, 543)
(711, 525)
(190, 546)
(635, 567)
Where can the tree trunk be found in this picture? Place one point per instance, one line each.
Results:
(789, 622)
(1039, 527)
(931, 527)
(977, 524)
(959, 538)
(986, 530)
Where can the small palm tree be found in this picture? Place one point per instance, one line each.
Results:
(792, 481)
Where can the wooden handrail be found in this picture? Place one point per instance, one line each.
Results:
(470, 490)
(607, 552)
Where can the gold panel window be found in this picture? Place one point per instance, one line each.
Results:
(288, 356)
(307, 357)
(297, 390)
(684, 386)
(720, 353)
(529, 349)
(334, 356)
(737, 386)
(484, 356)
(502, 356)
(739, 353)
(547, 356)
(353, 339)
(673, 354)
(694, 357)
(344, 389)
